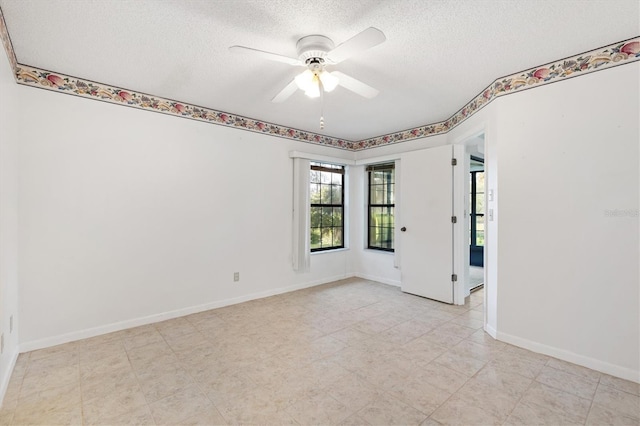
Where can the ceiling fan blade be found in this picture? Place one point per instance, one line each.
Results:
(285, 93)
(356, 44)
(356, 86)
(265, 55)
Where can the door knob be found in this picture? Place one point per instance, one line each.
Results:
(403, 229)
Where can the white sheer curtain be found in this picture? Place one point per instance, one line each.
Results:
(301, 219)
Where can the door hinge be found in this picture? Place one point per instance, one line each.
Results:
(454, 162)
(454, 219)
(454, 277)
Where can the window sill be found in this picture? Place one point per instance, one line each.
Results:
(313, 253)
(380, 251)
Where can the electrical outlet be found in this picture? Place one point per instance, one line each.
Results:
(11, 324)
(236, 276)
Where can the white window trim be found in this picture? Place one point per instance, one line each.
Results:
(322, 158)
(395, 158)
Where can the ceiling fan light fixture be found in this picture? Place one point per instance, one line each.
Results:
(304, 80)
(329, 81)
(313, 91)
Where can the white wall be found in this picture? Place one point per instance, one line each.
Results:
(9, 110)
(127, 215)
(568, 273)
(562, 277)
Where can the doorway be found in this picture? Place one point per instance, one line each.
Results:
(474, 231)
(434, 197)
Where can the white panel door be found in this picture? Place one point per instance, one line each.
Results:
(426, 205)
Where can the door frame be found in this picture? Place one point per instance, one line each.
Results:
(490, 243)
(460, 255)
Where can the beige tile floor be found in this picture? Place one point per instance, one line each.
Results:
(352, 352)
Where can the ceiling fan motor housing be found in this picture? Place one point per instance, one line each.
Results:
(312, 50)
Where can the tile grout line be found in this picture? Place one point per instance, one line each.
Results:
(81, 391)
(195, 382)
(135, 373)
(519, 400)
(592, 400)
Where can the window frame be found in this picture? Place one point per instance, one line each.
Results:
(369, 169)
(336, 169)
(473, 214)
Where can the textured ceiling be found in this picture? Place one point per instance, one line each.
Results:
(438, 54)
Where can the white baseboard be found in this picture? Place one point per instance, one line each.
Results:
(594, 364)
(378, 279)
(136, 322)
(490, 330)
(6, 378)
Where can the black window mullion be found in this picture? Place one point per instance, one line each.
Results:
(383, 186)
(473, 209)
(330, 207)
(473, 214)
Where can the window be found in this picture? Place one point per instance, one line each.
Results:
(477, 208)
(327, 206)
(381, 206)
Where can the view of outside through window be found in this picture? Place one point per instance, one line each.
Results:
(477, 209)
(327, 205)
(381, 206)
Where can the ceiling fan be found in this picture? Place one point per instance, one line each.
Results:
(315, 52)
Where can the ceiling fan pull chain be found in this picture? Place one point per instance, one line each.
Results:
(321, 104)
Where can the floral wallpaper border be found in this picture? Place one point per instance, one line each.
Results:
(598, 59)
(605, 57)
(43, 79)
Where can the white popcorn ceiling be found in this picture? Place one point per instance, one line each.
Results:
(438, 55)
